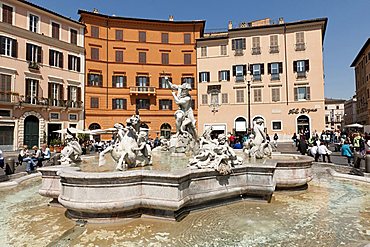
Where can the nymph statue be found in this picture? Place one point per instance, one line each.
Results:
(71, 153)
(258, 147)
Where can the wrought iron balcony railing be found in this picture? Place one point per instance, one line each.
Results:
(239, 52)
(256, 50)
(274, 49)
(300, 46)
(142, 90)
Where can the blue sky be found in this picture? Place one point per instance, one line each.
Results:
(348, 26)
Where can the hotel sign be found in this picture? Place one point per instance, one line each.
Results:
(301, 111)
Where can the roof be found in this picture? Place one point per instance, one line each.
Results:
(202, 22)
(334, 101)
(367, 43)
(49, 11)
(325, 20)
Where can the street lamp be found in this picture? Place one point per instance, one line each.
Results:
(249, 99)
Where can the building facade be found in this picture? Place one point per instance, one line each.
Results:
(350, 113)
(126, 62)
(263, 70)
(362, 73)
(334, 114)
(41, 74)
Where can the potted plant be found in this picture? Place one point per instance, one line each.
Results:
(56, 144)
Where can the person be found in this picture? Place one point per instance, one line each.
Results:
(314, 153)
(324, 152)
(2, 163)
(238, 145)
(276, 137)
(346, 151)
(268, 137)
(37, 157)
(294, 138)
(22, 154)
(302, 146)
(30, 162)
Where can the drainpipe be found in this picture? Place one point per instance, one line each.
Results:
(107, 50)
(286, 67)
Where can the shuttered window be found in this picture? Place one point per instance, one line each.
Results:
(204, 99)
(257, 93)
(74, 63)
(33, 53)
(55, 29)
(238, 44)
(119, 56)
(55, 58)
(73, 34)
(119, 104)
(275, 94)
(94, 102)
(187, 38)
(95, 80)
(94, 31)
(203, 51)
(142, 57)
(299, 37)
(142, 36)
(302, 93)
(164, 38)
(94, 53)
(165, 58)
(165, 104)
(240, 96)
(223, 50)
(187, 58)
(225, 98)
(7, 14)
(8, 46)
(119, 34)
(119, 81)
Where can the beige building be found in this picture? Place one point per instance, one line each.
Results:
(334, 114)
(41, 74)
(362, 74)
(273, 69)
(350, 114)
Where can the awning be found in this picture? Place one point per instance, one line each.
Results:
(355, 125)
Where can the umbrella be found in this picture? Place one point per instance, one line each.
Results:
(355, 125)
(72, 130)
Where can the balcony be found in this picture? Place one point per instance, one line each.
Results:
(301, 75)
(256, 50)
(275, 77)
(34, 66)
(274, 49)
(239, 52)
(8, 97)
(257, 77)
(239, 78)
(142, 90)
(300, 46)
(74, 104)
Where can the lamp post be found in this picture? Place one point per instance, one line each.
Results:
(249, 99)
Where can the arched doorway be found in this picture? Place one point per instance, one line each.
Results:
(303, 125)
(166, 130)
(240, 126)
(95, 126)
(31, 131)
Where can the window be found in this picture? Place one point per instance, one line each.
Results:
(142, 81)
(8, 46)
(163, 83)
(94, 31)
(74, 63)
(256, 48)
(238, 45)
(7, 14)
(257, 95)
(165, 104)
(74, 96)
(143, 104)
(119, 56)
(95, 80)
(165, 58)
(301, 67)
(119, 104)
(34, 23)
(119, 34)
(187, 38)
(5, 86)
(188, 79)
(274, 44)
(73, 36)
(223, 50)
(239, 71)
(32, 91)
(54, 116)
(257, 71)
(33, 53)
(214, 98)
(300, 45)
(94, 53)
(187, 58)
(275, 69)
(55, 94)
(224, 75)
(204, 99)
(55, 28)
(203, 51)
(142, 57)
(275, 94)
(119, 81)
(225, 98)
(276, 125)
(5, 113)
(302, 93)
(142, 36)
(72, 117)
(337, 107)
(204, 77)
(94, 102)
(55, 58)
(240, 96)
(164, 38)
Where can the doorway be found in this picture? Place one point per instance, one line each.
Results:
(51, 134)
(31, 131)
(303, 125)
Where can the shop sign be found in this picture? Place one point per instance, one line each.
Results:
(301, 111)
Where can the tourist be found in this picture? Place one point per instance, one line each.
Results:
(238, 145)
(2, 163)
(37, 156)
(302, 146)
(276, 137)
(346, 151)
(45, 152)
(313, 152)
(30, 163)
(324, 152)
(295, 139)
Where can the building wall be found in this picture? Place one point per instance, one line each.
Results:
(334, 114)
(107, 66)
(350, 113)
(14, 99)
(286, 110)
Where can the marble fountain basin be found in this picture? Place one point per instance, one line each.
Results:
(97, 196)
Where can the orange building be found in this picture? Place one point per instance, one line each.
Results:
(126, 61)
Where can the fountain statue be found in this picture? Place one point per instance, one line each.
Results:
(186, 135)
(71, 153)
(258, 146)
(215, 154)
(130, 148)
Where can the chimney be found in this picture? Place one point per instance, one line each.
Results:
(95, 11)
(243, 24)
(281, 20)
(230, 25)
(170, 18)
